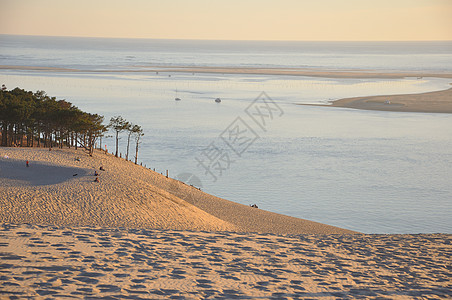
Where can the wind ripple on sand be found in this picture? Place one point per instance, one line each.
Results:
(115, 263)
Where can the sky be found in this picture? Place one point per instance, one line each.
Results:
(313, 20)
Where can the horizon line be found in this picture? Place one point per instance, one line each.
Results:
(201, 39)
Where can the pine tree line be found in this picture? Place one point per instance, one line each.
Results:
(30, 119)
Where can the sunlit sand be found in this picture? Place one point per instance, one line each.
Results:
(137, 233)
(432, 102)
(58, 188)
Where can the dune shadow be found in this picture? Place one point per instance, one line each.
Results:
(16, 173)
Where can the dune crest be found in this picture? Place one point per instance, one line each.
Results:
(58, 188)
(120, 198)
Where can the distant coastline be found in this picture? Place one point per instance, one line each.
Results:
(311, 72)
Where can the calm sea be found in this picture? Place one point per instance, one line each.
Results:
(374, 172)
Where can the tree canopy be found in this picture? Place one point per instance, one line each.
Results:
(118, 125)
(28, 118)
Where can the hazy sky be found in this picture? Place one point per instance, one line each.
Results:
(232, 19)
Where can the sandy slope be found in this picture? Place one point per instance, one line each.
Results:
(127, 195)
(44, 262)
(86, 254)
(122, 198)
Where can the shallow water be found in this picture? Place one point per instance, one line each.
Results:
(374, 172)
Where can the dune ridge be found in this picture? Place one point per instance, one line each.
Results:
(128, 195)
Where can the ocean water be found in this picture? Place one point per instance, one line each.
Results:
(107, 54)
(374, 172)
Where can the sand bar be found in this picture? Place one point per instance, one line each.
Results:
(326, 73)
(430, 102)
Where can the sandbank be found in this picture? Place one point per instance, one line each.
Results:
(311, 72)
(430, 102)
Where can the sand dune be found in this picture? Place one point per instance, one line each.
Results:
(58, 188)
(139, 235)
(99, 263)
(122, 198)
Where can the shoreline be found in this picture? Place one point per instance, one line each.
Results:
(429, 102)
(308, 72)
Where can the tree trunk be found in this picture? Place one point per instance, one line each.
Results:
(5, 134)
(39, 137)
(128, 143)
(136, 154)
(91, 145)
(117, 138)
(15, 135)
(10, 134)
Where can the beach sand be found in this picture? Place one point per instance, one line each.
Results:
(136, 234)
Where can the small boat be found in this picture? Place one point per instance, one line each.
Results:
(177, 99)
(218, 100)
